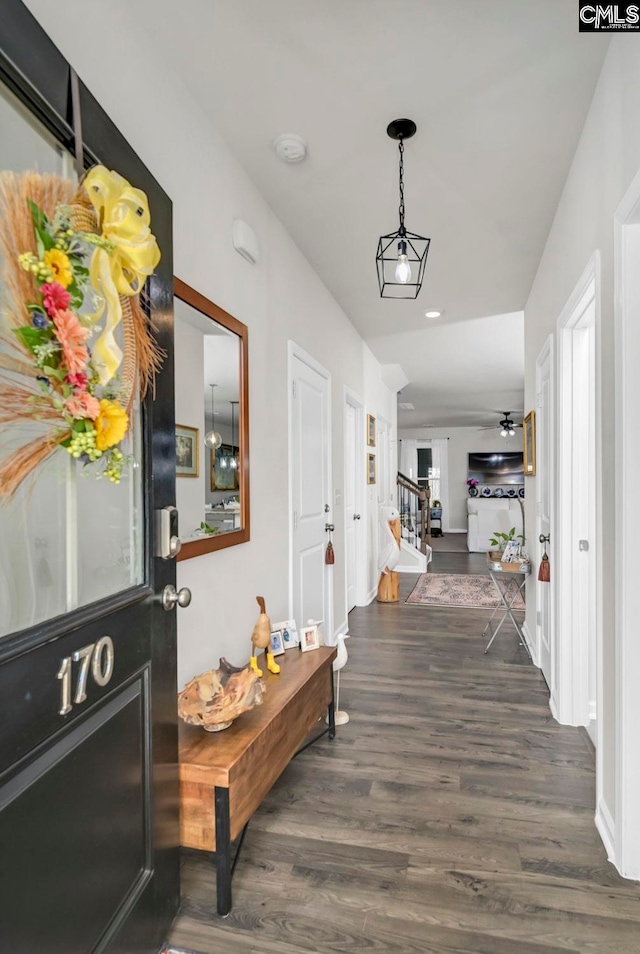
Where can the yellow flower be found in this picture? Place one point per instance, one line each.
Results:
(60, 266)
(111, 424)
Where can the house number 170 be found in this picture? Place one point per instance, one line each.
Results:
(97, 656)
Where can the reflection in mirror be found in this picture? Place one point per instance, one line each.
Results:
(211, 424)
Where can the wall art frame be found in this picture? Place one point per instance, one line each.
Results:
(187, 451)
(529, 444)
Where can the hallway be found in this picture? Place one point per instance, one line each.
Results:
(451, 815)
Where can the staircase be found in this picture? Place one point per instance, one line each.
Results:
(415, 521)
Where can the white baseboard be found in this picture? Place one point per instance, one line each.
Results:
(370, 597)
(451, 530)
(530, 643)
(342, 630)
(606, 830)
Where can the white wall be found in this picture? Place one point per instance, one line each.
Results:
(462, 441)
(607, 159)
(281, 298)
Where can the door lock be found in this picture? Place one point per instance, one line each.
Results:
(168, 543)
(172, 597)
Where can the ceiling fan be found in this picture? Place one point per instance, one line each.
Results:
(507, 425)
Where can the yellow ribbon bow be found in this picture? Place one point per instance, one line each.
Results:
(124, 220)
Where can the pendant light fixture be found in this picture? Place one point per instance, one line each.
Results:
(212, 439)
(402, 255)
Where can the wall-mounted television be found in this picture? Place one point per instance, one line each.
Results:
(503, 467)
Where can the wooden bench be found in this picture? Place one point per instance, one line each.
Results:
(224, 776)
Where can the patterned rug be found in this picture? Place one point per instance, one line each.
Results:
(450, 589)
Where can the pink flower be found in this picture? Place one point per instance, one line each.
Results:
(81, 405)
(55, 298)
(72, 336)
(78, 381)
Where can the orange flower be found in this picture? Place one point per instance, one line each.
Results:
(72, 336)
(81, 405)
(111, 424)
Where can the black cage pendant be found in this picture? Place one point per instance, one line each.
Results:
(402, 255)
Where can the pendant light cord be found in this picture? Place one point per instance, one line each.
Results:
(401, 208)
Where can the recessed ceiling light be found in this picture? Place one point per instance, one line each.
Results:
(433, 313)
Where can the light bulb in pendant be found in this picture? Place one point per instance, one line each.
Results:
(213, 440)
(403, 269)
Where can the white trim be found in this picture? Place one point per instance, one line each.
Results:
(371, 595)
(547, 352)
(342, 630)
(626, 856)
(295, 351)
(529, 641)
(362, 545)
(456, 530)
(606, 829)
(578, 595)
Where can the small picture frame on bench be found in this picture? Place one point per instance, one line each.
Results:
(309, 638)
(290, 638)
(277, 645)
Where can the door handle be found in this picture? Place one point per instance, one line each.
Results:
(544, 539)
(172, 597)
(356, 516)
(329, 527)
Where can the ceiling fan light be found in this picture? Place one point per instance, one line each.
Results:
(503, 432)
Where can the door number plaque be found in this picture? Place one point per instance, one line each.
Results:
(97, 657)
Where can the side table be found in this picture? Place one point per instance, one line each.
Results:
(509, 584)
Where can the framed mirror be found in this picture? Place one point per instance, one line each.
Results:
(212, 424)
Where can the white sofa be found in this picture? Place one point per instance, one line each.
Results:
(486, 515)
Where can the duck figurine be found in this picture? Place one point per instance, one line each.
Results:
(261, 639)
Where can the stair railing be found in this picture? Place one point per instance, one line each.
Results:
(415, 512)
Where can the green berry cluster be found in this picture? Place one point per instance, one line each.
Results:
(113, 470)
(62, 239)
(30, 263)
(84, 443)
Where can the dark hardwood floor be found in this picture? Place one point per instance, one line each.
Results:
(452, 814)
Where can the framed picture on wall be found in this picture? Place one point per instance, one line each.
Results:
(187, 451)
(371, 430)
(224, 467)
(529, 444)
(371, 468)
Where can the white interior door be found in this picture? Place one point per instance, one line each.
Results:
(353, 451)
(311, 492)
(544, 507)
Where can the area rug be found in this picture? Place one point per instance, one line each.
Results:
(468, 591)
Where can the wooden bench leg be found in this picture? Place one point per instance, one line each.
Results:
(223, 851)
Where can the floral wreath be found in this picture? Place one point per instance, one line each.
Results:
(75, 265)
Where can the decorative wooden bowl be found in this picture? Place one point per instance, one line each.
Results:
(215, 698)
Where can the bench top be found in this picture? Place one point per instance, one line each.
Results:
(214, 757)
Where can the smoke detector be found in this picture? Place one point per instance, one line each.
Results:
(290, 148)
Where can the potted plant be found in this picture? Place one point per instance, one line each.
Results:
(499, 541)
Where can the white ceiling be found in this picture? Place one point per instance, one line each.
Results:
(499, 90)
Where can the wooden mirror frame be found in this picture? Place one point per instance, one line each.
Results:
(194, 548)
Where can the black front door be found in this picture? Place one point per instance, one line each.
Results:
(88, 738)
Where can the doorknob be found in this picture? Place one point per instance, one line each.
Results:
(544, 539)
(171, 597)
(356, 516)
(329, 527)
